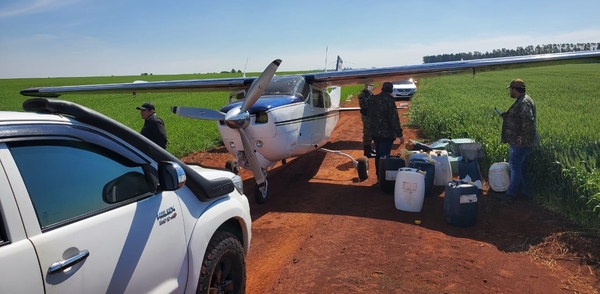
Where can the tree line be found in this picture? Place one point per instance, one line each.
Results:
(519, 51)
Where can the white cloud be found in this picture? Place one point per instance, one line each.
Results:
(36, 6)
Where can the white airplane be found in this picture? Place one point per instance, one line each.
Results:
(273, 118)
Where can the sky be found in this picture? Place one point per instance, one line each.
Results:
(72, 38)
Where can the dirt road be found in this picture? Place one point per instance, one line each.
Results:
(323, 231)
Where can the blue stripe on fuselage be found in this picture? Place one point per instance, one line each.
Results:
(323, 115)
(264, 103)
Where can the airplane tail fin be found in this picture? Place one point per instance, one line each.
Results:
(339, 64)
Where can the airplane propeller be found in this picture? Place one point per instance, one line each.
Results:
(198, 113)
(259, 86)
(239, 118)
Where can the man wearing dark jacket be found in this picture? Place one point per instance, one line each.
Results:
(363, 102)
(154, 127)
(384, 122)
(520, 133)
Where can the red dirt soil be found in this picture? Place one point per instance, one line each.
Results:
(323, 231)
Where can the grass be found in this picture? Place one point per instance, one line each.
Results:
(565, 165)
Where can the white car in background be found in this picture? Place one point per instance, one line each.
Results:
(404, 89)
(88, 205)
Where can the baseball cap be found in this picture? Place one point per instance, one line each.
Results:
(146, 106)
(387, 87)
(516, 83)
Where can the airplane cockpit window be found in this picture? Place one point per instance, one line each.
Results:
(287, 86)
(318, 99)
(326, 100)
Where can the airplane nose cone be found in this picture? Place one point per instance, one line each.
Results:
(236, 119)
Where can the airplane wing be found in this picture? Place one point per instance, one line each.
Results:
(334, 78)
(205, 85)
(387, 74)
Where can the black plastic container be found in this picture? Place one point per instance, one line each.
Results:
(429, 169)
(388, 170)
(470, 168)
(461, 203)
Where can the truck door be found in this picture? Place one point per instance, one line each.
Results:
(99, 225)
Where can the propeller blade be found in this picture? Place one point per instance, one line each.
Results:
(259, 86)
(254, 164)
(198, 113)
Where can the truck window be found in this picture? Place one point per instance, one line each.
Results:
(67, 179)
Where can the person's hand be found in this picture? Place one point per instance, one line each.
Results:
(402, 140)
(520, 140)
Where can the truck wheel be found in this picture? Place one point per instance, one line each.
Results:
(232, 166)
(363, 168)
(224, 266)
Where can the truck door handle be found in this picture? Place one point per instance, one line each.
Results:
(69, 262)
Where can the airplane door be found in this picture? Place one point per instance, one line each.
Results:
(86, 241)
(318, 121)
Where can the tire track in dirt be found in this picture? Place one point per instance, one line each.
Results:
(278, 236)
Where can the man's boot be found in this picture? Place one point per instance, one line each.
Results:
(369, 153)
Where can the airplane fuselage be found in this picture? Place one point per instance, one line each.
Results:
(280, 128)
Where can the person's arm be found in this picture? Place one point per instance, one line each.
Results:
(527, 123)
(395, 122)
(362, 101)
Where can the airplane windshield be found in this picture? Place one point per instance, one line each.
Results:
(287, 86)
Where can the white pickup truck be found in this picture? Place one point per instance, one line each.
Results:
(88, 205)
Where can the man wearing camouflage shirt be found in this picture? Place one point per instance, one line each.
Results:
(519, 132)
(384, 123)
(363, 102)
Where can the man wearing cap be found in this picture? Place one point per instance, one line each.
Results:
(520, 133)
(154, 127)
(363, 102)
(384, 123)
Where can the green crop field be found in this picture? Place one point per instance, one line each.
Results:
(565, 165)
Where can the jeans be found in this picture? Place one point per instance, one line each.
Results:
(519, 178)
(382, 147)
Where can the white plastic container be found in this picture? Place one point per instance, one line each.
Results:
(409, 192)
(499, 176)
(443, 170)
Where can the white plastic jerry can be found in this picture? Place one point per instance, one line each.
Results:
(443, 170)
(499, 176)
(409, 192)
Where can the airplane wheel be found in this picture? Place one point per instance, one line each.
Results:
(232, 166)
(363, 168)
(259, 197)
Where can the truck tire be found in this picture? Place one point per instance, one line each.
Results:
(224, 266)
